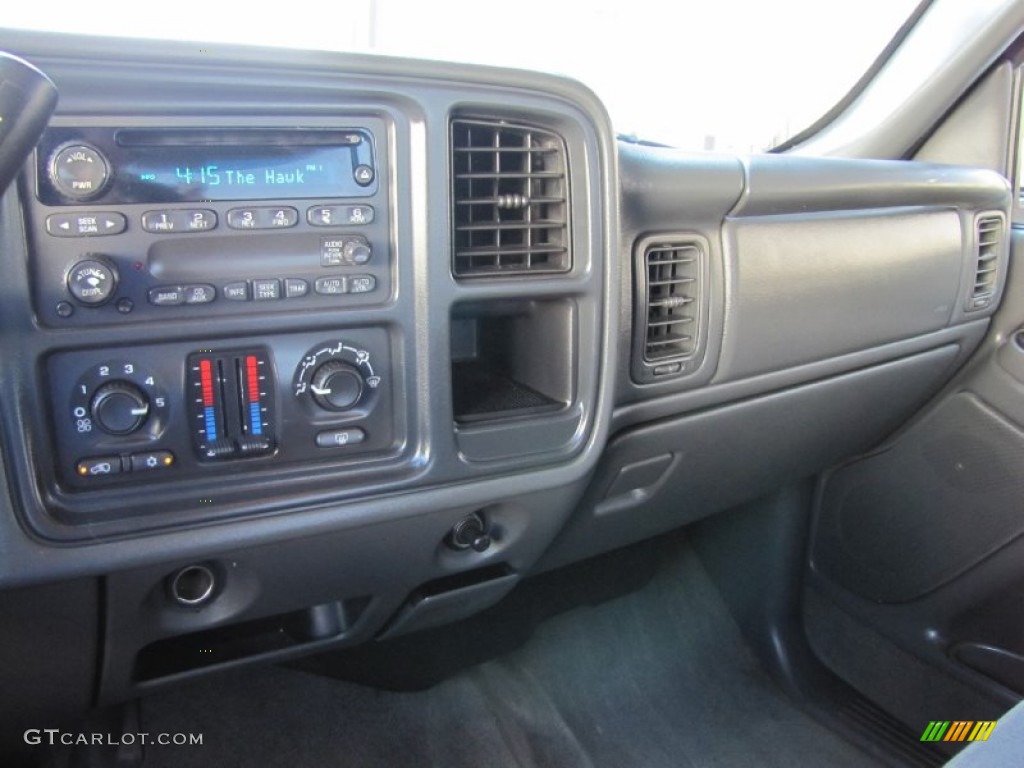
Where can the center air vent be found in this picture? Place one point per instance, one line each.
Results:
(989, 243)
(509, 200)
(670, 307)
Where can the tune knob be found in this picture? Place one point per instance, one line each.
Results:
(119, 407)
(336, 386)
(92, 281)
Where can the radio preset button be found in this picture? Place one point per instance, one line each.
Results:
(280, 218)
(167, 296)
(243, 218)
(358, 214)
(236, 291)
(189, 220)
(362, 284)
(266, 217)
(200, 294)
(331, 286)
(266, 290)
(295, 288)
(86, 224)
(199, 220)
(160, 222)
(325, 216)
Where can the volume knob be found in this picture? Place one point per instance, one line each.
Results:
(119, 407)
(79, 171)
(336, 386)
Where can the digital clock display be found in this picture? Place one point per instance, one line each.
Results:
(188, 166)
(241, 173)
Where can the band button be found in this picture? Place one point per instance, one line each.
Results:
(167, 296)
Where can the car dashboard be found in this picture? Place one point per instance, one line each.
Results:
(303, 350)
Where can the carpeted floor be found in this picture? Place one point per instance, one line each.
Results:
(659, 677)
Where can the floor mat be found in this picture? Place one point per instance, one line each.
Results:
(658, 678)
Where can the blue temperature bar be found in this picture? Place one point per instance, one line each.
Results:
(211, 423)
(254, 418)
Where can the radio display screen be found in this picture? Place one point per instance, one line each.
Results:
(182, 166)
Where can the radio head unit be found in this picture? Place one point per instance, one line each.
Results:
(116, 166)
(147, 221)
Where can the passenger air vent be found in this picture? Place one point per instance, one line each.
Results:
(670, 306)
(989, 244)
(509, 200)
(673, 290)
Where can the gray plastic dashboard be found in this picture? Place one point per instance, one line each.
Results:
(475, 463)
(832, 299)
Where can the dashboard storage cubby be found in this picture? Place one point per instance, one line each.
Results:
(511, 358)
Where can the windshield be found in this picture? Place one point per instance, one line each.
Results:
(724, 74)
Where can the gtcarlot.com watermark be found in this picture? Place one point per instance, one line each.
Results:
(54, 737)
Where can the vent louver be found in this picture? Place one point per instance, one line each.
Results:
(673, 300)
(989, 241)
(509, 200)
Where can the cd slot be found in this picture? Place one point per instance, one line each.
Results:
(193, 137)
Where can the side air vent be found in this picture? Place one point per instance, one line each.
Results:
(510, 200)
(988, 245)
(670, 307)
(673, 290)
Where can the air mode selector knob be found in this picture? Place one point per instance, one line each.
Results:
(119, 407)
(336, 386)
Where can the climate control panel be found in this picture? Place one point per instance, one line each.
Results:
(176, 411)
